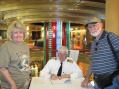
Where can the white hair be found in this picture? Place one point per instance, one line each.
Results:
(63, 48)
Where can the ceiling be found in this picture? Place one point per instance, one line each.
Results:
(39, 11)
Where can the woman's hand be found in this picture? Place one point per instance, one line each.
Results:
(13, 87)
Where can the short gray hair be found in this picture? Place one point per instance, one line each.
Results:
(16, 26)
(63, 48)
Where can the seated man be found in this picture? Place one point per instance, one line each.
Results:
(61, 67)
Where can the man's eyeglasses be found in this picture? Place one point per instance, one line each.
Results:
(96, 46)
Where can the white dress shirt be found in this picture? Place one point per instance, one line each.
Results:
(68, 67)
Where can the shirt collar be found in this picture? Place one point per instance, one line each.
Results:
(103, 34)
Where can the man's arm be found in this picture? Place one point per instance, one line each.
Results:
(45, 72)
(73, 71)
(87, 78)
(7, 76)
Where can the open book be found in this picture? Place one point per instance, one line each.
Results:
(61, 81)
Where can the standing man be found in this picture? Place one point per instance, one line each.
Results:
(103, 62)
(69, 67)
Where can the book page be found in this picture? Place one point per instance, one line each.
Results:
(61, 81)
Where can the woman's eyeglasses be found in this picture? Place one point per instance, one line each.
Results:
(96, 46)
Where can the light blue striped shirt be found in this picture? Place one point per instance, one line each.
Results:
(103, 60)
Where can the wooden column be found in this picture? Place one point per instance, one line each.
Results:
(112, 16)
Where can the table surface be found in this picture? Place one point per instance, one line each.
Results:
(42, 83)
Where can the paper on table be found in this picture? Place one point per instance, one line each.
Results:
(64, 80)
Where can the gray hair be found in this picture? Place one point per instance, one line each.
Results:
(16, 26)
(63, 48)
